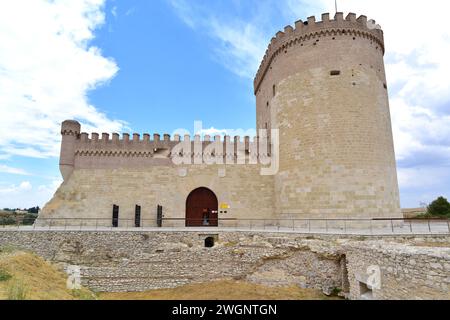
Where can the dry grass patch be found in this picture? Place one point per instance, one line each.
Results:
(431, 244)
(221, 290)
(32, 278)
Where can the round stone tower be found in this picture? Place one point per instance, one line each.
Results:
(323, 85)
(70, 131)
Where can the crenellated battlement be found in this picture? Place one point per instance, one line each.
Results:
(137, 139)
(70, 128)
(310, 29)
(114, 145)
(126, 138)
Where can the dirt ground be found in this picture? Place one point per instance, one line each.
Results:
(221, 290)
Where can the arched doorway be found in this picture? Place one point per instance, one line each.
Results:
(202, 208)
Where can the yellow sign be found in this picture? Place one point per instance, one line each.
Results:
(224, 206)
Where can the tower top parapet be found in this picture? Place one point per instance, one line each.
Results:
(70, 127)
(305, 30)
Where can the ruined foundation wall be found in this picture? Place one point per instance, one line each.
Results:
(407, 272)
(138, 261)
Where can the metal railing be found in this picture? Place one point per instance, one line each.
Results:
(309, 226)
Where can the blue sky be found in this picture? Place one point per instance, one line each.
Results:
(156, 66)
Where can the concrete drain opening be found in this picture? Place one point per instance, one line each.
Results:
(365, 291)
(209, 242)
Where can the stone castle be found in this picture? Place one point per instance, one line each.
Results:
(321, 93)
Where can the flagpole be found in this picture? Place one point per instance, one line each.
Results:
(335, 5)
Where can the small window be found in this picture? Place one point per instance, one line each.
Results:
(274, 89)
(385, 85)
(305, 23)
(335, 72)
(267, 104)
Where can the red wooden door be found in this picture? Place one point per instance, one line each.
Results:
(202, 208)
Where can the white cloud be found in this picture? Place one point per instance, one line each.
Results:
(13, 189)
(49, 189)
(114, 11)
(423, 184)
(185, 12)
(212, 132)
(47, 68)
(11, 170)
(130, 11)
(241, 47)
(239, 44)
(25, 195)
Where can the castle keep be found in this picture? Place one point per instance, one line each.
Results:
(321, 86)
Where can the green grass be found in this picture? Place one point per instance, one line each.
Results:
(83, 295)
(8, 249)
(17, 290)
(4, 275)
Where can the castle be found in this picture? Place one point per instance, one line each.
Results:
(322, 99)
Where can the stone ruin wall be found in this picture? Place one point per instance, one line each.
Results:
(408, 272)
(138, 261)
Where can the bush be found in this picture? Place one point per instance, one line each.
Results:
(29, 219)
(7, 221)
(439, 208)
(34, 210)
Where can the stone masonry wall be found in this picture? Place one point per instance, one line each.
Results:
(323, 86)
(91, 193)
(407, 272)
(139, 261)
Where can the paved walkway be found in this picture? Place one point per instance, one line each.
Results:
(381, 228)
